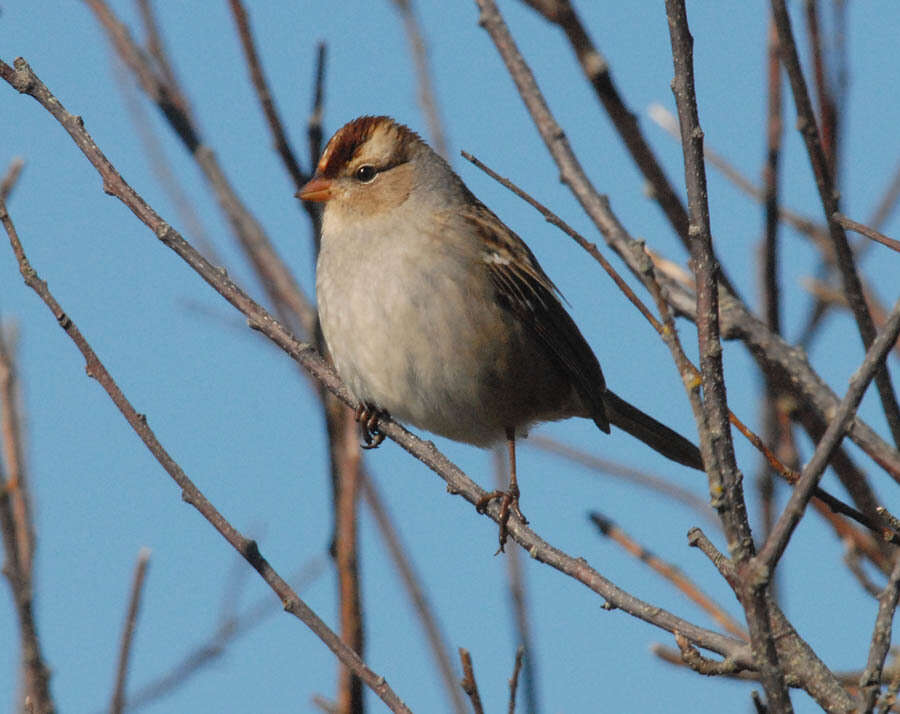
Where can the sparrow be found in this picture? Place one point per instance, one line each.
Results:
(438, 314)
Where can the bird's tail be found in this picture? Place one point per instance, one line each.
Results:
(654, 434)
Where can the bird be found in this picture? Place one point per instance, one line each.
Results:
(437, 314)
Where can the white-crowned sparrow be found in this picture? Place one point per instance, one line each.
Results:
(437, 313)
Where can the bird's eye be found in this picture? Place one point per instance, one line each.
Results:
(366, 173)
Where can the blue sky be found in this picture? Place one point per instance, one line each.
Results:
(234, 413)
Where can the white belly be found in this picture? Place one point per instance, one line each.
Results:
(434, 350)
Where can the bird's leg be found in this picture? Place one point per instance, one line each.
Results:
(367, 415)
(509, 499)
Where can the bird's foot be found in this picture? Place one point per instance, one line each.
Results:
(368, 415)
(509, 503)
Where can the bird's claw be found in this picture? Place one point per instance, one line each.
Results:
(509, 503)
(368, 415)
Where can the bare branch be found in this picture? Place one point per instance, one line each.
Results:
(17, 531)
(134, 602)
(864, 230)
(514, 680)
(8, 182)
(468, 683)
(870, 681)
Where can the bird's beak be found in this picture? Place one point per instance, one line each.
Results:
(316, 189)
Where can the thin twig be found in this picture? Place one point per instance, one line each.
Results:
(813, 675)
(700, 664)
(777, 431)
(854, 564)
(864, 230)
(12, 436)
(670, 572)
(17, 531)
(887, 203)
(468, 683)
(346, 457)
(597, 71)
(657, 484)
(514, 680)
(870, 681)
(117, 706)
(8, 182)
(804, 225)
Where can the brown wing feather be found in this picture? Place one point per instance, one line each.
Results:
(525, 290)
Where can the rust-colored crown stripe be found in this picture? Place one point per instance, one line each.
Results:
(347, 141)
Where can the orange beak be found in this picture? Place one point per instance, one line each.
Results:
(316, 189)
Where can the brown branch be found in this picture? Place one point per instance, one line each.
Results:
(806, 124)
(157, 51)
(190, 493)
(870, 680)
(828, 115)
(597, 71)
(671, 573)
(776, 429)
(853, 561)
(24, 80)
(702, 665)
(117, 706)
(346, 457)
(8, 182)
(864, 230)
(17, 481)
(468, 683)
(514, 680)
(17, 531)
